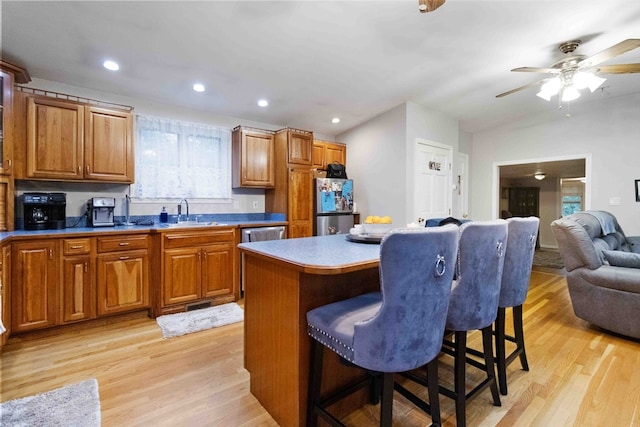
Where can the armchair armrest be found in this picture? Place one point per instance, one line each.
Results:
(634, 243)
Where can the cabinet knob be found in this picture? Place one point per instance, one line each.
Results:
(86, 267)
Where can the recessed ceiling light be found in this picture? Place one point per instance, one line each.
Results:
(111, 65)
(263, 103)
(198, 87)
(335, 120)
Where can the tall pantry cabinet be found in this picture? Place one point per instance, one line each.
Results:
(293, 181)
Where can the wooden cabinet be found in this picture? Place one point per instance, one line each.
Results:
(524, 201)
(78, 290)
(325, 152)
(6, 122)
(252, 158)
(122, 278)
(5, 292)
(35, 283)
(300, 206)
(6, 203)
(72, 141)
(293, 192)
(299, 145)
(198, 266)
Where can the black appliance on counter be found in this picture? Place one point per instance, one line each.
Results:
(44, 211)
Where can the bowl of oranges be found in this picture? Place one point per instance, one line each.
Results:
(375, 225)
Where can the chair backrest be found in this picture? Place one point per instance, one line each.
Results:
(474, 297)
(416, 271)
(518, 260)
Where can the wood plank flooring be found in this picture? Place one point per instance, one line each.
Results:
(580, 375)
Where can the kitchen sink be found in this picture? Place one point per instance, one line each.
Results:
(189, 224)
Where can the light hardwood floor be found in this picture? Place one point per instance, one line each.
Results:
(580, 375)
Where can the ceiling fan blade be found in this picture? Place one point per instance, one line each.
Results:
(518, 89)
(619, 69)
(612, 52)
(537, 70)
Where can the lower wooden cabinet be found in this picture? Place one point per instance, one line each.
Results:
(78, 285)
(198, 266)
(5, 292)
(35, 285)
(122, 278)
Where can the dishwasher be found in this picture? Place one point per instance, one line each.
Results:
(258, 234)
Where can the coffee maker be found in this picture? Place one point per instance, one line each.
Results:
(44, 211)
(101, 211)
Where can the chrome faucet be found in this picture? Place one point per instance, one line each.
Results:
(180, 209)
(127, 207)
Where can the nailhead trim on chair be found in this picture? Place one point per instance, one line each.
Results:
(328, 344)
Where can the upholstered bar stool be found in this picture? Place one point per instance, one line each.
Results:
(395, 330)
(516, 274)
(473, 306)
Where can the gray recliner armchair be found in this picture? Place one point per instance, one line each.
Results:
(603, 270)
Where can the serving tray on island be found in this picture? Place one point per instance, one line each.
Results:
(364, 238)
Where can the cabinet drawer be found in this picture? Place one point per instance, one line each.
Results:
(76, 246)
(122, 243)
(182, 239)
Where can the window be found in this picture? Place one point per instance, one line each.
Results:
(179, 159)
(571, 204)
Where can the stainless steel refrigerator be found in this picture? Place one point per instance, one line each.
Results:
(333, 206)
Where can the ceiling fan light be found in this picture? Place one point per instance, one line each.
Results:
(540, 176)
(595, 82)
(569, 93)
(544, 95)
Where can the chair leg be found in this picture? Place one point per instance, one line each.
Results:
(487, 344)
(386, 405)
(519, 335)
(434, 395)
(459, 377)
(315, 382)
(500, 351)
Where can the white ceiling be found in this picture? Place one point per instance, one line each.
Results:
(314, 60)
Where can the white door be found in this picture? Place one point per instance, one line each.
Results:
(433, 179)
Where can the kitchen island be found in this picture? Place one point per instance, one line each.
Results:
(283, 280)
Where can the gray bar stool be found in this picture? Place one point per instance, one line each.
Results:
(395, 330)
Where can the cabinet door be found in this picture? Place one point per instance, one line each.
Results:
(300, 209)
(317, 156)
(123, 281)
(78, 297)
(108, 145)
(5, 293)
(6, 122)
(6, 203)
(253, 156)
(54, 139)
(300, 147)
(217, 270)
(35, 285)
(335, 153)
(181, 275)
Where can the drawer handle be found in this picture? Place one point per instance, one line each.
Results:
(124, 243)
(122, 258)
(77, 246)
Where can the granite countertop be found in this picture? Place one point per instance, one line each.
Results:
(317, 255)
(156, 227)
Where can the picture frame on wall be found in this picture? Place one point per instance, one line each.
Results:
(637, 190)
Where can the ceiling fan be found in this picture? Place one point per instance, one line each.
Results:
(425, 6)
(576, 72)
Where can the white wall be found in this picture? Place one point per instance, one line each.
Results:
(79, 193)
(380, 157)
(606, 128)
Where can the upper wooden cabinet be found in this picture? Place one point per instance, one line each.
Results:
(9, 74)
(325, 152)
(252, 158)
(299, 145)
(67, 140)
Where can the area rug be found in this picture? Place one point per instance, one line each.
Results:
(548, 258)
(72, 405)
(174, 325)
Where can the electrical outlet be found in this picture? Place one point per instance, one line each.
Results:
(255, 204)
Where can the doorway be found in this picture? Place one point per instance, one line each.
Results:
(432, 196)
(551, 172)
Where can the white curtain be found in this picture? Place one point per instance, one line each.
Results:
(177, 159)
